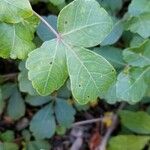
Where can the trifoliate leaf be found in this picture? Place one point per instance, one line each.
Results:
(138, 7)
(84, 23)
(51, 71)
(62, 56)
(138, 122)
(128, 142)
(16, 106)
(14, 11)
(64, 113)
(37, 145)
(43, 123)
(16, 39)
(131, 85)
(138, 56)
(43, 32)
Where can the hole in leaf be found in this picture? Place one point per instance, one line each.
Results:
(79, 85)
(66, 22)
(88, 96)
(50, 63)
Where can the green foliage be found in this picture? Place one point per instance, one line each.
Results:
(138, 122)
(8, 146)
(63, 109)
(14, 11)
(43, 32)
(7, 136)
(43, 123)
(127, 142)
(75, 33)
(34, 145)
(16, 105)
(16, 39)
(138, 56)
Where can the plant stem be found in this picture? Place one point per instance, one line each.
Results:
(111, 128)
(87, 122)
(48, 25)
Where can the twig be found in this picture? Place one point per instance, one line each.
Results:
(48, 25)
(109, 132)
(87, 122)
(111, 128)
(9, 76)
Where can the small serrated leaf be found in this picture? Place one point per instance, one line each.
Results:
(64, 113)
(16, 106)
(43, 123)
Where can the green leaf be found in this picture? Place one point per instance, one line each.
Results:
(138, 56)
(14, 11)
(51, 71)
(60, 57)
(91, 76)
(38, 145)
(112, 54)
(131, 85)
(136, 41)
(84, 23)
(43, 32)
(7, 136)
(26, 135)
(16, 106)
(111, 6)
(8, 146)
(8, 90)
(138, 7)
(25, 84)
(114, 35)
(64, 92)
(37, 100)
(139, 24)
(16, 39)
(60, 130)
(138, 122)
(43, 123)
(57, 2)
(128, 142)
(111, 95)
(64, 113)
